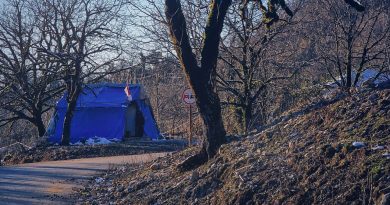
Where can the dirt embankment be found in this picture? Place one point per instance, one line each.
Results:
(333, 154)
(19, 154)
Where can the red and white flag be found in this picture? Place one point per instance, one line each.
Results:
(128, 93)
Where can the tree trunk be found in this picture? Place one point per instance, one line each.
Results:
(40, 126)
(349, 62)
(72, 102)
(74, 90)
(239, 118)
(65, 140)
(38, 122)
(210, 111)
(349, 76)
(201, 79)
(248, 117)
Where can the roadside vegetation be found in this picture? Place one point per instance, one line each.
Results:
(292, 97)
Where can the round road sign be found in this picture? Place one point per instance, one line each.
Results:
(188, 97)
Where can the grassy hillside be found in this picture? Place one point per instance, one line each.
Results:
(307, 157)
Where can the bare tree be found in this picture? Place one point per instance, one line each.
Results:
(349, 42)
(76, 41)
(84, 42)
(251, 62)
(28, 80)
(202, 77)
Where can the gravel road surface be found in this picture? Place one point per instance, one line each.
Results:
(53, 182)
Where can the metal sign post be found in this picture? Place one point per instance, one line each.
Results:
(190, 136)
(189, 98)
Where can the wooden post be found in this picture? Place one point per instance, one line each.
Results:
(190, 134)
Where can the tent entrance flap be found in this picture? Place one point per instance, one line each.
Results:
(134, 122)
(130, 121)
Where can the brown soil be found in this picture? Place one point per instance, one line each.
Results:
(54, 153)
(306, 157)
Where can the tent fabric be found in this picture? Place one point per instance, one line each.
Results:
(150, 128)
(101, 112)
(104, 95)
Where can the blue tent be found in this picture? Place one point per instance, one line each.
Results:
(101, 111)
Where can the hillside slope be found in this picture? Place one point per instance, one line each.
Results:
(307, 158)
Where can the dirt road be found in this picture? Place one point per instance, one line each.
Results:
(53, 182)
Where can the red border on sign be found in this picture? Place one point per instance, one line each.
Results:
(182, 96)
